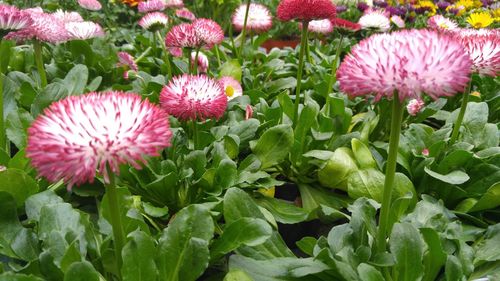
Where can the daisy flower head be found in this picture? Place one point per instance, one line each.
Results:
(323, 26)
(202, 62)
(483, 47)
(259, 18)
(92, 5)
(174, 3)
(84, 30)
(208, 31)
(398, 21)
(12, 18)
(78, 135)
(153, 21)
(127, 61)
(345, 25)
(415, 106)
(183, 36)
(231, 87)
(375, 20)
(185, 14)
(175, 51)
(305, 10)
(441, 22)
(480, 20)
(68, 16)
(411, 62)
(191, 97)
(44, 27)
(151, 6)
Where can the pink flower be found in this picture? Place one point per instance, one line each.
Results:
(153, 21)
(190, 97)
(324, 26)
(92, 5)
(81, 134)
(425, 152)
(248, 112)
(346, 25)
(151, 6)
(442, 23)
(44, 27)
(185, 14)
(484, 50)
(176, 52)
(411, 62)
(13, 19)
(305, 10)
(231, 87)
(127, 61)
(84, 30)
(208, 31)
(259, 18)
(414, 106)
(375, 20)
(68, 16)
(174, 3)
(202, 61)
(398, 21)
(183, 36)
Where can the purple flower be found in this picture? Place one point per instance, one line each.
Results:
(442, 5)
(362, 6)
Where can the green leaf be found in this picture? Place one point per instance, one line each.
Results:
(17, 125)
(336, 172)
(154, 211)
(281, 84)
(366, 183)
(307, 244)
(489, 200)
(453, 270)
(10, 276)
(286, 104)
(5, 50)
(454, 177)
(283, 211)
(81, 271)
(138, 254)
(407, 247)
(76, 79)
(225, 176)
(35, 203)
(369, 273)
(9, 223)
(231, 68)
(237, 275)
(363, 154)
(183, 247)
(489, 248)
(434, 256)
(18, 184)
(244, 231)
(274, 145)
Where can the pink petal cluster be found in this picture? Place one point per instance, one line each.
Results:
(92, 5)
(305, 10)
(12, 18)
(174, 3)
(201, 32)
(398, 21)
(415, 106)
(483, 48)
(190, 97)
(185, 14)
(68, 16)
(376, 20)
(259, 18)
(153, 21)
(202, 62)
(324, 26)
(44, 27)
(84, 30)
(151, 6)
(411, 62)
(442, 23)
(127, 61)
(342, 24)
(81, 134)
(231, 87)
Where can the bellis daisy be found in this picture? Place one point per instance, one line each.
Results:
(13, 19)
(324, 26)
(409, 62)
(190, 97)
(185, 14)
(153, 21)
(183, 36)
(375, 20)
(84, 30)
(202, 62)
(68, 16)
(174, 3)
(259, 18)
(208, 31)
(440, 22)
(151, 6)
(398, 21)
(78, 135)
(345, 25)
(483, 48)
(44, 27)
(305, 10)
(92, 5)
(127, 61)
(414, 106)
(231, 87)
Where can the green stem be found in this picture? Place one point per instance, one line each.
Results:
(155, 44)
(195, 133)
(303, 47)
(243, 32)
(116, 222)
(334, 66)
(195, 67)
(144, 54)
(3, 138)
(461, 114)
(218, 55)
(397, 118)
(165, 54)
(37, 45)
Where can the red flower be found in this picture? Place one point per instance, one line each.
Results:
(339, 23)
(305, 10)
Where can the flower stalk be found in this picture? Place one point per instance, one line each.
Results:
(37, 45)
(116, 221)
(461, 114)
(303, 47)
(334, 66)
(244, 30)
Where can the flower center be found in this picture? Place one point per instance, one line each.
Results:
(229, 91)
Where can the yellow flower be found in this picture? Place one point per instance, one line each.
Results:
(476, 94)
(496, 14)
(131, 3)
(466, 4)
(427, 4)
(480, 20)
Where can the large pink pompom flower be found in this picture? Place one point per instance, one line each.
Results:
(209, 32)
(190, 97)
(259, 18)
(483, 48)
(305, 10)
(151, 6)
(81, 134)
(92, 5)
(13, 19)
(183, 36)
(411, 62)
(44, 27)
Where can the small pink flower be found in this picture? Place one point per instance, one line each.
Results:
(84, 30)
(324, 26)
(259, 18)
(398, 21)
(153, 21)
(415, 106)
(175, 51)
(190, 97)
(442, 23)
(78, 135)
(151, 6)
(183, 36)
(92, 5)
(231, 87)
(425, 152)
(208, 31)
(305, 10)
(248, 112)
(185, 14)
(174, 3)
(13, 19)
(127, 61)
(202, 61)
(68, 16)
